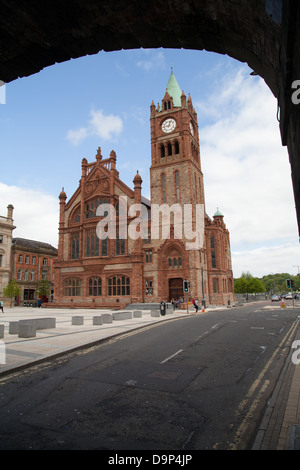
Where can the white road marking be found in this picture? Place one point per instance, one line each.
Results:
(171, 357)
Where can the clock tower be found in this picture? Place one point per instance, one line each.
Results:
(176, 178)
(176, 175)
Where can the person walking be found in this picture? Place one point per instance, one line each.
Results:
(196, 305)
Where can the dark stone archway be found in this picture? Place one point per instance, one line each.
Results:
(263, 33)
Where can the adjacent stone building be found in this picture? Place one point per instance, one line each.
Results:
(32, 261)
(6, 231)
(120, 268)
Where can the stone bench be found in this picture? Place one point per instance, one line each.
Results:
(107, 318)
(41, 323)
(137, 314)
(27, 330)
(77, 320)
(122, 315)
(98, 320)
(1, 331)
(155, 313)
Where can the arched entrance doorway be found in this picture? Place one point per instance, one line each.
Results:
(175, 288)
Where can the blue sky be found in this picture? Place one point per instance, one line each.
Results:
(53, 119)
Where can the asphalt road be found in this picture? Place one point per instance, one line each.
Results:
(188, 384)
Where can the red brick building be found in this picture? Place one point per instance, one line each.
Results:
(31, 261)
(94, 271)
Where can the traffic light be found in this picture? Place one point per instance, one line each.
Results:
(186, 285)
(288, 283)
(292, 283)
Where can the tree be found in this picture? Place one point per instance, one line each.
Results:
(11, 290)
(42, 288)
(241, 286)
(256, 286)
(247, 284)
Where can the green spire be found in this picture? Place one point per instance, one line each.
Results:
(174, 89)
(218, 213)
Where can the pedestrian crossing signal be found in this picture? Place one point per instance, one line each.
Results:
(186, 286)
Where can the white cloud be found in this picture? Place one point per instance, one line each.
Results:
(151, 60)
(247, 174)
(267, 260)
(36, 214)
(101, 125)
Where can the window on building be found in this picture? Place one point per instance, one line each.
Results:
(148, 239)
(162, 151)
(148, 254)
(92, 206)
(33, 275)
(33, 260)
(120, 245)
(19, 275)
(176, 147)
(149, 286)
(216, 286)
(163, 187)
(175, 263)
(27, 259)
(0, 260)
(104, 244)
(169, 149)
(26, 275)
(75, 247)
(177, 186)
(45, 261)
(92, 244)
(119, 285)
(20, 258)
(95, 286)
(1, 238)
(213, 253)
(213, 259)
(73, 287)
(77, 216)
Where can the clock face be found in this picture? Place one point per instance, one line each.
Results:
(168, 125)
(191, 128)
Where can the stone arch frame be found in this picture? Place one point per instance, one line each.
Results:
(168, 250)
(266, 37)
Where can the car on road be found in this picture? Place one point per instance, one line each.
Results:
(288, 296)
(275, 298)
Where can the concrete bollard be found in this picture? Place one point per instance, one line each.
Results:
(13, 327)
(27, 330)
(78, 320)
(98, 320)
(1, 331)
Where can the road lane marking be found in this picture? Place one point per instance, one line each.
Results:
(171, 357)
(261, 382)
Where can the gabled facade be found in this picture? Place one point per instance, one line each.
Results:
(112, 272)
